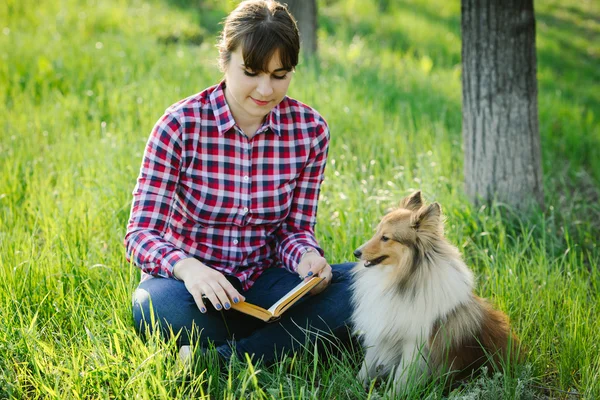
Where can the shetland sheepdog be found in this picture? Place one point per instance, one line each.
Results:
(414, 305)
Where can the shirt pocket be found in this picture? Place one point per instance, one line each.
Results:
(208, 198)
(272, 200)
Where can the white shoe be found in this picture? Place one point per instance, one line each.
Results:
(185, 356)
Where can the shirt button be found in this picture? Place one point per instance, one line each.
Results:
(246, 178)
(245, 210)
(235, 241)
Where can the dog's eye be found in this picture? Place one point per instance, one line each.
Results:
(385, 238)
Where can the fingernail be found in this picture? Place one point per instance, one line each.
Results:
(309, 273)
(236, 300)
(227, 306)
(218, 307)
(203, 310)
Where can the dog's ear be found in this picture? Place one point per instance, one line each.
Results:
(412, 202)
(429, 218)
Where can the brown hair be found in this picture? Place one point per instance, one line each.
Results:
(260, 27)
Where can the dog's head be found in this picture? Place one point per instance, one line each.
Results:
(403, 233)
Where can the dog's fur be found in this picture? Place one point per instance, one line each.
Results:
(414, 303)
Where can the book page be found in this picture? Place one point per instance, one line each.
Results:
(253, 310)
(295, 292)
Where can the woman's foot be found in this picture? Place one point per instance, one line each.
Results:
(185, 357)
(187, 361)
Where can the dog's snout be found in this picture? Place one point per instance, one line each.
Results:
(357, 253)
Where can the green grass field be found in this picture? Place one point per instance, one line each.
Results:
(81, 85)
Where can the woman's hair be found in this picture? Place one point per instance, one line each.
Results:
(260, 27)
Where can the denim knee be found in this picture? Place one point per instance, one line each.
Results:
(164, 305)
(157, 304)
(144, 316)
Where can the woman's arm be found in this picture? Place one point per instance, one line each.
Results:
(152, 199)
(296, 235)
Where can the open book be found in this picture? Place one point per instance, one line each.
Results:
(275, 311)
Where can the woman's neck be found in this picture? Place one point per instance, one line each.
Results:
(249, 130)
(249, 124)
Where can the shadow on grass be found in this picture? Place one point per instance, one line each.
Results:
(574, 63)
(569, 78)
(372, 83)
(392, 36)
(207, 14)
(207, 17)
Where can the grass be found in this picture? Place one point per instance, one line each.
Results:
(82, 83)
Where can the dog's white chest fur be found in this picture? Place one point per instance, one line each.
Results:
(388, 317)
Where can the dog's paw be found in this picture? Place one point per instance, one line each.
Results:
(363, 377)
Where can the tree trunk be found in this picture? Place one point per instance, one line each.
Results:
(305, 13)
(500, 110)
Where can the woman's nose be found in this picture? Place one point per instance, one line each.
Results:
(264, 87)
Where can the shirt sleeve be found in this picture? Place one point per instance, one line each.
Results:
(152, 199)
(296, 235)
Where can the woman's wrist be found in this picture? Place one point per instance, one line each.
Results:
(309, 250)
(183, 267)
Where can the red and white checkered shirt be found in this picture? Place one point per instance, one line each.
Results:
(238, 205)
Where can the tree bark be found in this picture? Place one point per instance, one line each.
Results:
(305, 13)
(502, 156)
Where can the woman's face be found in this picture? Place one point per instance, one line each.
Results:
(250, 94)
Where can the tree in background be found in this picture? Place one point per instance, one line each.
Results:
(305, 12)
(502, 155)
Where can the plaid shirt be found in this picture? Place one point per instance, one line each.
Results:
(238, 205)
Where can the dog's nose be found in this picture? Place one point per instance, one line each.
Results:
(357, 253)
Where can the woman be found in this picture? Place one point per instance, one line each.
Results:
(226, 201)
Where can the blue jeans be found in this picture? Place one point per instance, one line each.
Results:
(324, 316)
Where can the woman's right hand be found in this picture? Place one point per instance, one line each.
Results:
(203, 281)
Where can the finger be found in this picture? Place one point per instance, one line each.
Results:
(232, 292)
(316, 267)
(196, 293)
(328, 278)
(320, 287)
(210, 294)
(200, 303)
(326, 271)
(221, 295)
(327, 275)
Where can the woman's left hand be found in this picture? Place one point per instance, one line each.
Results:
(312, 264)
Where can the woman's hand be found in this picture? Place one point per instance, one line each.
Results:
(312, 264)
(203, 281)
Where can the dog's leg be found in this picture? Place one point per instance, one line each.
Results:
(413, 367)
(369, 367)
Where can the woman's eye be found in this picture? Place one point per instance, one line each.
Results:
(248, 73)
(280, 77)
(385, 238)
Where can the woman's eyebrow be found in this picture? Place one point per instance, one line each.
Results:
(277, 70)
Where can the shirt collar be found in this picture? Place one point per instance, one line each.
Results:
(224, 117)
(273, 119)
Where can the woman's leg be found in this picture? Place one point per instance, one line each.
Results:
(326, 315)
(175, 311)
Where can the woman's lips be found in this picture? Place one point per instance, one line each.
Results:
(260, 102)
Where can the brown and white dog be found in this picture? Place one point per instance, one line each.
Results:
(414, 304)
